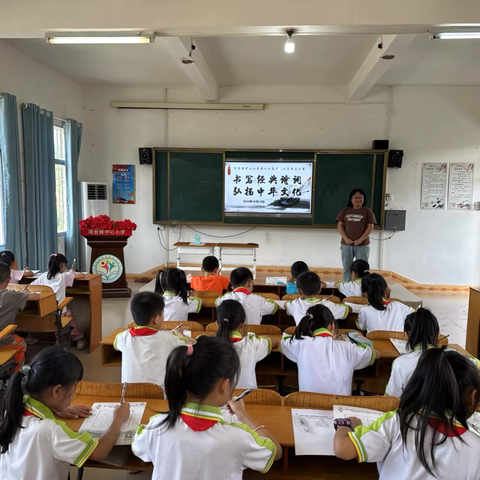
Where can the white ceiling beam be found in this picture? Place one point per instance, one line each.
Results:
(374, 67)
(199, 72)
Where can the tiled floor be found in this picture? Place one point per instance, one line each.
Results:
(450, 309)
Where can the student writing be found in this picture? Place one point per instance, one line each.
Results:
(250, 349)
(381, 314)
(193, 441)
(146, 347)
(58, 279)
(16, 275)
(427, 437)
(34, 444)
(171, 283)
(309, 287)
(325, 365)
(255, 306)
(353, 288)
(11, 302)
(211, 281)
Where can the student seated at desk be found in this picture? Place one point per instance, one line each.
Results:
(34, 444)
(250, 349)
(8, 258)
(353, 288)
(255, 306)
(146, 347)
(296, 269)
(427, 437)
(325, 365)
(171, 283)
(381, 314)
(423, 331)
(193, 441)
(58, 279)
(309, 287)
(211, 281)
(11, 302)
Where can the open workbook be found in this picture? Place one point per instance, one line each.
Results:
(313, 429)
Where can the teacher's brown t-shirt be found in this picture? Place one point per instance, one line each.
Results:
(355, 222)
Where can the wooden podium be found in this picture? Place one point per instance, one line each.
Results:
(108, 261)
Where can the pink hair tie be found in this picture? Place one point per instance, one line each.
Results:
(190, 349)
(53, 255)
(226, 320)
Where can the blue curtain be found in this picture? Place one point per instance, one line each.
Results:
(73, 133)
(40, 199)
(12, 182)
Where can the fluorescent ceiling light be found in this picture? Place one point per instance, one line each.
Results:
(455, 34)
(290, 44)
(96, 38)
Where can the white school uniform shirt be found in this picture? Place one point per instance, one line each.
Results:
(44, 448)
(382, 442)
(177, 309)
(351, 289)
(326, 365)
(16, 276)
(403, 368)
(255, 306)
(58, 283)
(250, 350)
(144, 353)
(202, 446)
(391, 319)
(298, 308)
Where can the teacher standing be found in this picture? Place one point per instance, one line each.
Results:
(355, 224)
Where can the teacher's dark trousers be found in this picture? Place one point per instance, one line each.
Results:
(351, 253)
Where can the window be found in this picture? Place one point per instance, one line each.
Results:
(2, 208)
(60, 176)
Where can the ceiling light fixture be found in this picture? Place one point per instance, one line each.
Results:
(99, 38)
(290, 44)
(457, 34)
(189, 60)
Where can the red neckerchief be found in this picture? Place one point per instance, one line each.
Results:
(386, 302)
(28, 413)
(246, 291)
(142, 331)
(197, 424)
(441, 427)
(322, 332)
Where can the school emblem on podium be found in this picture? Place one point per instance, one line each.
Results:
(109, 267)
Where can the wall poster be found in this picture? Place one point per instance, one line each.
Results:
(434, 186)
(460, 186)
(123, 184)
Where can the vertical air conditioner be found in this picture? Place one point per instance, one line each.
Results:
(94, 202)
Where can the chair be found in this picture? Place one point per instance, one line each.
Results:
(326, 402)
(7, 362)
(170, 325)
(356, 300)
(134, 390)
(55, 322)
(269, 296)
(331, 298)
(387, 335)
(256, 329)
(208, 298)
(291, 296)
(341, 331)
(260, 397)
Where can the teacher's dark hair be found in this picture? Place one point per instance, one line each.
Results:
(352, 193)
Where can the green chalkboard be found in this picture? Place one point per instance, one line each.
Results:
(196, 186)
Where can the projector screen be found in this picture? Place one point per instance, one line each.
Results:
(268, 187)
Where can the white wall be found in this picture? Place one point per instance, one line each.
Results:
(429, 123)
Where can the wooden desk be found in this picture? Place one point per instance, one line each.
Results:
(277, 419)
(473, 325)
(42, 307)
(86, 306)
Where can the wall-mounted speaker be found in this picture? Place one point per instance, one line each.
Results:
(395, 158)
(145, 156)
(380, 145)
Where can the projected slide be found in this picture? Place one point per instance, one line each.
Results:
(261, 187)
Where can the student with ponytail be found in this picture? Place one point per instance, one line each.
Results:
(353, 288)
(193, 441)
(381, 314)
(34, 444)
(427, 437)
(325, 365)
(171, 283)
(250, 349)
(58, 279)
(16, 275)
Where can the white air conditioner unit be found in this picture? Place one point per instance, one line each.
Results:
(94, 202)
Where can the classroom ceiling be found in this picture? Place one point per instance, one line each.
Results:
(327, 60)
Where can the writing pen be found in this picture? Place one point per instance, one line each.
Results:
(178, 326)
(443, 338)
(244, 394)
(124, 389)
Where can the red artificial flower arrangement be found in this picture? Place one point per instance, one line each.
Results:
(104, 225)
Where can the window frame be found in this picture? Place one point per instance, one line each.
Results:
(60, 123)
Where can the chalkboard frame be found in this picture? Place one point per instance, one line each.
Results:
(377, 176)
